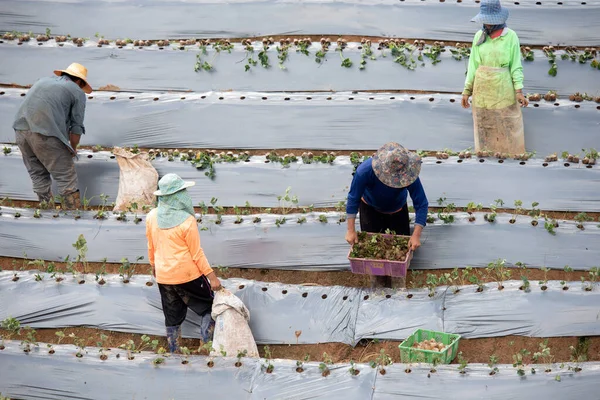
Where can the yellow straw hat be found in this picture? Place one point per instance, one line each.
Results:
(78, 71)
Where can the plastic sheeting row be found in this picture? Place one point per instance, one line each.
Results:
(171, 69)
(322, 314)
(140, 378)
(314, 245)
(310, 120)
(573, 24)
(555, 186)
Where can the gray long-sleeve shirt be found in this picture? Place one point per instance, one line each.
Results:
(54, 106)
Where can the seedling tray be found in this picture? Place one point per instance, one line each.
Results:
(371, 266)
(409, 354)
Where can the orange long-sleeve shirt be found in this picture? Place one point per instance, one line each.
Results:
(175, 253)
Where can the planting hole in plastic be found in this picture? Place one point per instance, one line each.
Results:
(588, 166)
(371, 98)
(221, 98)
(516, 3)
(577, 106)
(242, 97)
(284, 291)
(112, 97)
(112, 157)
(309, 98)
(350, 98)
(345, 298)
(560, 3)
(264, 98)
(438, 162)
(183, 98)
(481, 160)
(388, 296)
(241, 287)
(305, 294)
(366, 297)
(202, 97)
(536, 105)
(500, 161)
(89, 156)
(392, 98)
(539, 3)
(522, 163)
(431, 99)
(459, 161)
(324, 296)
(155, 99)
(287, 98)
(598, 108)
(131, 97)
(264, 289)
(566, 164)
(557, 104)
(412, 98)
(452, 100)
(90, 97)
(329, 98)
(22, 94)
(545, 164)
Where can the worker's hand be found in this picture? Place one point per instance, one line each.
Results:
(351, 237)
(414, 242)
(215, 283)
(465, 101)
(522, 100)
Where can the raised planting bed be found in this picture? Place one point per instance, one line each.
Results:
(571, 23)
(288, 238)
(430, 347)
(380, 255)
(224, 69)
(312, 114)
(147, 372)
(335, 121)
(297, 314)
(559, 185)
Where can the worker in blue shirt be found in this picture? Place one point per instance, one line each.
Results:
(48, 127)
(379, 189)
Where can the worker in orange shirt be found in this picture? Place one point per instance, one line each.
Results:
(184, 277)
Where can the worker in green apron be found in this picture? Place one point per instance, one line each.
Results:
(495, 80)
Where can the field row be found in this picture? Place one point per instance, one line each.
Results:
(306, 242)
(557, 185)
(568, 22)
(238, 68)
(143, 377)
(335, 121)
(322, 314)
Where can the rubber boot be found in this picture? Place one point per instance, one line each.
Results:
(72, 201)
(173, 333)
(207, 328)
(46, 200)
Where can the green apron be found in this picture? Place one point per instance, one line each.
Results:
(497, 116)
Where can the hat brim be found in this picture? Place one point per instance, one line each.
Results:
(400, 180)
(87, 88)
(186, 185)
(492, 19)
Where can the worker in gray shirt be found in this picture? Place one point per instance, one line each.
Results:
(48, 127)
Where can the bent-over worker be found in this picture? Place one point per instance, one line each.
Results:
(48, 127)
(184, 276)
(495, 80)
(379, 189)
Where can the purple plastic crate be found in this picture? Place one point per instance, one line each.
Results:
(380, 267)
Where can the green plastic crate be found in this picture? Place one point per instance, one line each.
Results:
(409, 354)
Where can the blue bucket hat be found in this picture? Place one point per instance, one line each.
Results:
(491, 13)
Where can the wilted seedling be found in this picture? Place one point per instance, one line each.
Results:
(240, 355)
(593, 274)
(381, 362)
(268, 363)
(544, 282)
(579, 354)
(499, 271)
(581, 218)
(471, 208)
(462, 363)
(323, 218)
(101, 272)
(543, 356)
(432, 282)
(103, 348)
(280, 221)
(448, 208)
(300, 364)
(518, 362)
(159, 359)
(30, 339)
(81, 246)
(256, 220)
(323, 366)
(79, 343)
(493, 364)
(37, 213)
(185, 355)
(12, 326)
(6, 150)
(301, 220)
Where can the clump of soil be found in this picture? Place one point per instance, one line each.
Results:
(141, 43)
(8, 36)
(550, 96)
(483, 154)
(326, 373)
(299, 370)
(380, 247)
(162, 43)
(440, 155)
(500, 156)
(121, 43)
(24, 38)
(102, 42)
(551, 157)
(431, 344)
(464, 154)
(149, 283)
(188, 42)
(238, 364)
(535, 97)
(210, 364)
(522, 157)
(78, 41)
(60, 39)
(42, 38)
(576, 97)
(588, 161)
(104, 357)
(573, 158)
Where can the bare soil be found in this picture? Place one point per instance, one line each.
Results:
(475, 350)
(325, 278)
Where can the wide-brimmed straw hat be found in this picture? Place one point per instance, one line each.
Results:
(491, 13)
(172, 183)
(395, 166)
(78, 71)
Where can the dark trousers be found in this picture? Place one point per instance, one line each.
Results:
(374, 221)
(196, 294)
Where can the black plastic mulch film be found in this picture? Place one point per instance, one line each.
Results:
(313, 245)
(140, 378)
(572, 23)
(339, 121)
(322, 314)
(151, 69)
